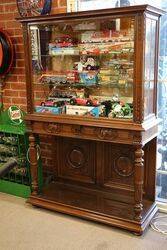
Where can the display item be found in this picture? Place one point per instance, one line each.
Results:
(98, 89)
(6, 53)
(34, 7)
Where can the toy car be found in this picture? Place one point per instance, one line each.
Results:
(49, 103)
(62, 93)
(53, 79)
(84, 102)
(72, 76)
(65, 41)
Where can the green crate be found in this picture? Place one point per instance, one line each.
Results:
(14, 144)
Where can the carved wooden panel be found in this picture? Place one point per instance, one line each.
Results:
(123, 136)
(118, 165)
(76, 160)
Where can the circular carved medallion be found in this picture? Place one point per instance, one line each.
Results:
(76, 158)
(124, 166)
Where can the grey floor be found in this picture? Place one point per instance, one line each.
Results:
(23, 227)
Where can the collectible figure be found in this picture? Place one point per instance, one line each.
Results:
(121, 110)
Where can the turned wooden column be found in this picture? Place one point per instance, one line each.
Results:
(138, 182)
(33, 164)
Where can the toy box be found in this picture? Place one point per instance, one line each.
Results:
(82, 110)
(90, 78)
(50, 110)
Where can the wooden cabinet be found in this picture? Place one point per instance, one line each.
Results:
(92, 85)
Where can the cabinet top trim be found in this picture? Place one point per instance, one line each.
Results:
(93, 13)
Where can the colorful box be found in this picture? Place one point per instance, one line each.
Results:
(90, 78)
(82, 110)
(49, 110)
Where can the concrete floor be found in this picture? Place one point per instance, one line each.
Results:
(24, 227)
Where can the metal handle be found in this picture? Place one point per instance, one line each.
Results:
(38, 153)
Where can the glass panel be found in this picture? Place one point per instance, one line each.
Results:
(162, 114)
(84, 68)
(149, 66)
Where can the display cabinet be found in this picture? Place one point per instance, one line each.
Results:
(92, 84)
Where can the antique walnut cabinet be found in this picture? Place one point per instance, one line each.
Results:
(92, 85)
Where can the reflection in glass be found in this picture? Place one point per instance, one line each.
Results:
(149, 66)
(84, 68)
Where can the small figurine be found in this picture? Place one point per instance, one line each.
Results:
(91, 64)
(120, 110)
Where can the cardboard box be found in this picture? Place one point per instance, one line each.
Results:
(83, 110)
(49, 110)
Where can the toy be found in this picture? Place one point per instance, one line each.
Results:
(53, 103)
(83, 110)
(91, 64)
(49, 110)
(120, 110)
(84, 102)
(62, 93)
(53, 79)
(86, 64)
(89, 78)
(65, 41)
(60, 78)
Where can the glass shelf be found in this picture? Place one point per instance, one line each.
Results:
(86, 72)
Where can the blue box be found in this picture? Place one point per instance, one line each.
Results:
(48, 110)
(89, 78)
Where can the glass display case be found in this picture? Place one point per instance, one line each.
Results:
(92, 86)
(84, 67)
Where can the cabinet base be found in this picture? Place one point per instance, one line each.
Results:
(53, 203)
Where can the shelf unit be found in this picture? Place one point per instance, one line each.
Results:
(104, 166)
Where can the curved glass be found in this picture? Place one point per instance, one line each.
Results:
(84, 68)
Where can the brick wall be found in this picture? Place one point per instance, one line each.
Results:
(15, 88)
(15, 91)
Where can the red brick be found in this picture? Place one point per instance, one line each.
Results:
(20, 63)
(59, 10)
(6, 16)
(11, 24)
(2, 8)
(11, 7)
(19, 71)
(62, 3)
(17, 40)
(18, 86)
(18, 32)
(11, 93)
(8, 1)
(18, 101)
(22, 93)
(54, 4)
(21, 79)
(20, 55)
(11, 78)
(7, 100)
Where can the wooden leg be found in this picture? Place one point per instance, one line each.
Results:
(33, 164)
(138, 183)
